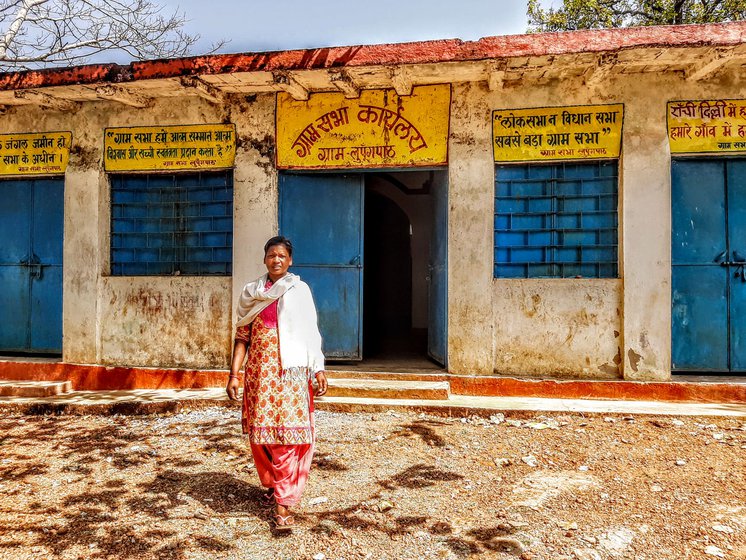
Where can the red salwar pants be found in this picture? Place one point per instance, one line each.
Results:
(278, 416)
(284, 468)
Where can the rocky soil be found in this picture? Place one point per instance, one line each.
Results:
(383, 485)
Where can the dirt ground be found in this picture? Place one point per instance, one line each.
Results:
(383, 485)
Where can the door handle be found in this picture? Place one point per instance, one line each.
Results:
(738, 260)
(355, 260)
(35, 266)
(740, 272)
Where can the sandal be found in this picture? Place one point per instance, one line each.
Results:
(268, 498)
(285, 523)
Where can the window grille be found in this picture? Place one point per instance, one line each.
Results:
(172, 224)
(556, 221)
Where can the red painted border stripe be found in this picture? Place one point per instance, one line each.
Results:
(424, 52)
(103, 378)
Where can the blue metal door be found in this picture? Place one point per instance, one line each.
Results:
(708, 252)
(31, 229)
(15, 230)
(735, 177)
(437, 332)
(323, 217)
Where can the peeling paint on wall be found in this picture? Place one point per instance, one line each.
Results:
(558, 328)
(85, 157)
(537, 327)
(167, 322)
(634, 359)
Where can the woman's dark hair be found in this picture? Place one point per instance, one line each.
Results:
(279, 240)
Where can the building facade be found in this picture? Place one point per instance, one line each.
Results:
(558, 205)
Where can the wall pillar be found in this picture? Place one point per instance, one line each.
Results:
(81, 262)
(255, 193)
(470, 233)
(645, 240)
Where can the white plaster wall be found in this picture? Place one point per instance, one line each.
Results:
(160, 321)
(553, 327)
(592, 328)
(255, 192)
(470, 178)
(645, 212)
(154, 321)
(645, 235)
(80, 263)
(165, 321)
(535, 327)
(566, 327)
(573, 327)
(80, 255)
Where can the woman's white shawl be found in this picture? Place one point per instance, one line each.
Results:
(297, 324)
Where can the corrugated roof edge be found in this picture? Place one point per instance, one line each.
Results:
(423, 52)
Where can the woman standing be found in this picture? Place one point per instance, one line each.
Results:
(277, 325)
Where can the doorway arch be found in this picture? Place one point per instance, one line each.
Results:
(387, 296)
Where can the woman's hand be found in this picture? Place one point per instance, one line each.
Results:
(239, 355)
(232, 388)
(322, 384)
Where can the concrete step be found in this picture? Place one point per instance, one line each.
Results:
(388, 389)
(33, 389)
(460, 405)
(384, 375)
(169, 401)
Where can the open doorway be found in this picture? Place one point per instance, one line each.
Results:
(398, 232)
(372, 247)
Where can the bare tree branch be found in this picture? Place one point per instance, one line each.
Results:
(18, 22)
(65, 32)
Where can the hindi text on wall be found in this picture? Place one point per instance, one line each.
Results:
(710, 126)
(557, 133)
(379, 129)
(170, 148)
(39, 153)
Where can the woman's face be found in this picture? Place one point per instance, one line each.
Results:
(277, 260)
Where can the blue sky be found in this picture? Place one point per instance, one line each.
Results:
(291, 24)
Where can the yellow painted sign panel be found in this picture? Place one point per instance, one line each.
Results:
(707, 126)
(557, 133)
(42, 153)
(379, 129)
(170, 148)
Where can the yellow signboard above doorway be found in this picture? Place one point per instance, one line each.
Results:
(378, 129)
(709, 126)
(39, 153)
(170, 148)
(557, 133)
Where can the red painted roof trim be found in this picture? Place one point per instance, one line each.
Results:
(451, 50)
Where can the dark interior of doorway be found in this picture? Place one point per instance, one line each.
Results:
(387, 281)
(398, 225)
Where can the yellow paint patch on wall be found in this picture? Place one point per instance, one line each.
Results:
(707, 126)
(557, 133)
(170, 148)
(379, 129)
(41, 153)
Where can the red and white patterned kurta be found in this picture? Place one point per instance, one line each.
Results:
(277, 404)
